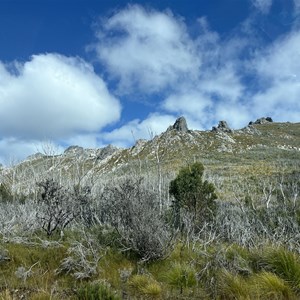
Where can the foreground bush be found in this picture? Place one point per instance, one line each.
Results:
(133, 210)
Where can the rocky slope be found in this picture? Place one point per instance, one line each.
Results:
(262, 148)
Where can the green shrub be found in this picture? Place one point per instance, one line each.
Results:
(193, 194)
(5, 193)
(96, 291)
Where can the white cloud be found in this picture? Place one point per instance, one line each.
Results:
(151, 51)
(193, 104)
(14, 150)
(237, 115)
(201, 102)
(52, 97)
(223, 82)
(146, 49)
(219, 78)
(280, 61)
(281, 102)
(297, 5)
(87, 140)
(207, 78)
(278, 67)
(139, 129)
(263, 6)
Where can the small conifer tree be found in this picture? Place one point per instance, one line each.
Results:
(193, 194)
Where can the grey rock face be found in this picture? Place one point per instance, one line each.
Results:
(263, 120)
(181, 125)
(250, 130)
(106, 151)
(74, 150)
(222, 126)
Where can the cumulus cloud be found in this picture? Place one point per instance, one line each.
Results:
(280, 61)
(146, 49)
(279, 68)
(150, 51)
(193, 104)
(205, 76)
(13, 150)
(263, 6)
(52, 96)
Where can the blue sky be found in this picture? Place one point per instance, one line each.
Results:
(94, 72)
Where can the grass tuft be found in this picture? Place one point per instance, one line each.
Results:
(5, 295)
(96, 291)
(286, 265)
(145, 285)
(233, 286)
(182, 276)
(270, 286)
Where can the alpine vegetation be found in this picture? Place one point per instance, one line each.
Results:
(186, 215)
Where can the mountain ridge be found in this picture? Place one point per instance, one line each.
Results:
(262, 145)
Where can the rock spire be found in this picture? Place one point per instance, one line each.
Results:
(180, 125)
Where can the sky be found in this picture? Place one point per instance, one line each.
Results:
(99, 72)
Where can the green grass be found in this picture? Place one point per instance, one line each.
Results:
(32, 268)
(233, 286)
(286, 265)
(96, 291)
(220, 271)
(144, 286)
(270, 286)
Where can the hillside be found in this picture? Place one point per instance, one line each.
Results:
(262, 148)
(101, 223)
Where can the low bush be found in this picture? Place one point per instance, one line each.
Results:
(145, 286)
(96, 291)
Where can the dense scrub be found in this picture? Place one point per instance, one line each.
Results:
(123, 240)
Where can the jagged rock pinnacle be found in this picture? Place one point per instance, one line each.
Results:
(222, 126)
(180, 125)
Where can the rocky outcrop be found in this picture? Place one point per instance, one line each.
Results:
(180, 125)
(222, 127)
(77, 150)
(106, 151)
(35, 156)
(263, 120)
(250, 130)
